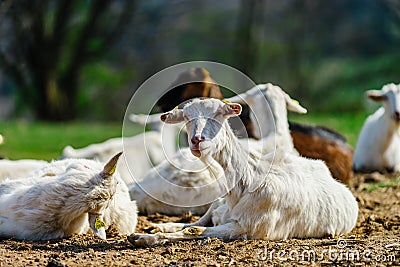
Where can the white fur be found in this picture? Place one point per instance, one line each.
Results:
(168, 132)
(122, 212)
(1, 139)
(176, 186)
(142, 151)
(272, 196)
(63, 198)
(11, 169)
(268, 113)
(160, 190)
(378, 145)
(152, 120)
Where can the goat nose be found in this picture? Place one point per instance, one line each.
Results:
(197, 139)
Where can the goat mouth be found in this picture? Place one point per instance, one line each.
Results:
(201, 149)
(196, 152)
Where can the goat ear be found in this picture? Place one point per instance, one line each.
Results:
(375, 95)
(109, 168)
(173, 116)
(231, 109)
(294, 105)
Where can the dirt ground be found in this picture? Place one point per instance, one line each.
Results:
(374, 242)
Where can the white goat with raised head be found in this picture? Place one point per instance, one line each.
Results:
(378, 145)
(268, 113)
(177, 185)
(55, 204)
(275, 196)
(310, 141)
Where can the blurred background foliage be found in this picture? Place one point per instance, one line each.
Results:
(64, 60)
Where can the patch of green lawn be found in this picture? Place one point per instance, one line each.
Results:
(40, 140)
(390, 183)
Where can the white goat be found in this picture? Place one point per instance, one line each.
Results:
(378, 145)
(153, 120)
(1, 139)
(11, 169)
(143, 150)
(56, 205)
(272, 197)
(122, 212)
(268, 113)
(168, 133)
(177, 185)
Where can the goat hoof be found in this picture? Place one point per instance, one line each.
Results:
(136, 240)
(133, 237)
(166, 227)
(141, 240)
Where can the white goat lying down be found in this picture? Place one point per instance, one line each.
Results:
(378, 145)
(11, 169)
(144, 150)
(274, 198)
(178, 185)
(66, 197)
(170, 133)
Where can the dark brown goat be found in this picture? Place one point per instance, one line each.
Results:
(192, 83)
(315, 142)
(319, 142)
(195, 82)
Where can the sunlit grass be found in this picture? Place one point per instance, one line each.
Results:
(39, 140)
(390, 183)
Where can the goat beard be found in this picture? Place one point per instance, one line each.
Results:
(205, 148)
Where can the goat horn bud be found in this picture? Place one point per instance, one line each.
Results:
(110, 167)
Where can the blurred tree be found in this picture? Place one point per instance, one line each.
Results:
(45, 43)
(246, 40)
(395, 4)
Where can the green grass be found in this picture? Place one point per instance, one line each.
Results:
(390, 183)
(39, 140)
